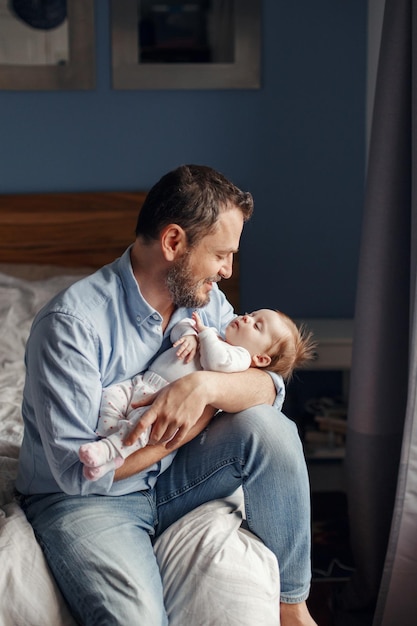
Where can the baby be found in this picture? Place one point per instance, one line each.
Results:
(265, 338)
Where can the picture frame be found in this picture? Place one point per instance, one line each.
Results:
(238, 70)
(76, 73)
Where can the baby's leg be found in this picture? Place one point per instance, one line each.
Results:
(101, 457)
(111, 448)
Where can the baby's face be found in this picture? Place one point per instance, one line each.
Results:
(257, 331)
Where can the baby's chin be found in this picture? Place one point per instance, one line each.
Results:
(231, 337)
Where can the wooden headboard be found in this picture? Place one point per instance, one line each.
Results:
(87, 229)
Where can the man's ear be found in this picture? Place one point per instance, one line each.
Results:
(173, 242)
(261, 360)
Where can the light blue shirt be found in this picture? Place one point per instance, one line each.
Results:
(98, 332)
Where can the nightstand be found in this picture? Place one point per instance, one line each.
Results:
(334, 350)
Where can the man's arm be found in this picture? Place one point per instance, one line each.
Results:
(175, 409)
(239, 391)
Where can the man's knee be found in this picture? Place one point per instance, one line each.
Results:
(271, 434)
(266, 420)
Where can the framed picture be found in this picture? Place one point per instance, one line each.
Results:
(194, 44)
(47, 46)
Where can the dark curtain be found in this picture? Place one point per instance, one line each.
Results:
(381, 455)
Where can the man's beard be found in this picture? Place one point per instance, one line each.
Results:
(183, 288)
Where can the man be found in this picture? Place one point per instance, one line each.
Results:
(97, 536)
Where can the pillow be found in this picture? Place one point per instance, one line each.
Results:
(215, 573)
(29, 594)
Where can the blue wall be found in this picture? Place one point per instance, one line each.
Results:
(298, 144)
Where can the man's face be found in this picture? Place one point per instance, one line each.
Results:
(191, 278)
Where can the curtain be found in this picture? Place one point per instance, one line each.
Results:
(381, 449)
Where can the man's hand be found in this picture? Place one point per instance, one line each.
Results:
(173, 411)
(140, 460)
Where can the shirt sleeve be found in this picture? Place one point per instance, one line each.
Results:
(218, 356)
(65, 385)
(280, 389)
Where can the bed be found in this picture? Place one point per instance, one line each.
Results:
(215, 573)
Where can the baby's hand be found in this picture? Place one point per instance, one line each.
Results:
(199, 326)
(187, 347)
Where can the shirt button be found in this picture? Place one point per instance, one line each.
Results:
(138, 318)
(156, 317)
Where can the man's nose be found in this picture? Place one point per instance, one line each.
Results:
(227, 268)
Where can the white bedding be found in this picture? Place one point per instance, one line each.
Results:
(215, 573)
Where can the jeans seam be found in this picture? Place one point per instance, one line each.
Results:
(150, 496)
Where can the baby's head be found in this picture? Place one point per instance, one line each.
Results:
(273, 340)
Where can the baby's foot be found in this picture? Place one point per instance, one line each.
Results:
(94, 454)
(94, 473)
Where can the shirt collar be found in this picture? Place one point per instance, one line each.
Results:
(136, 303)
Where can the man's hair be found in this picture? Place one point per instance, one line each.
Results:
(192, 196)
(293, 350)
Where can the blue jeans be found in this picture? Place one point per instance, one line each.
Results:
(100, 547)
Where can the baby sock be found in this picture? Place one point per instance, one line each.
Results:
(97, 453)
(94, 473)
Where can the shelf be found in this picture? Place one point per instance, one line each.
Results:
(325, 453)
(325, 461)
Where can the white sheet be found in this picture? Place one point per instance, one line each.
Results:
(214, 573)
(29, 595)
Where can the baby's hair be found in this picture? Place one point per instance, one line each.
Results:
(292, 351)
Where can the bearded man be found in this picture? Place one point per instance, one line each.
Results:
(98, 536)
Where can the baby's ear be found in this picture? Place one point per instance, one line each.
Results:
(261, 360)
